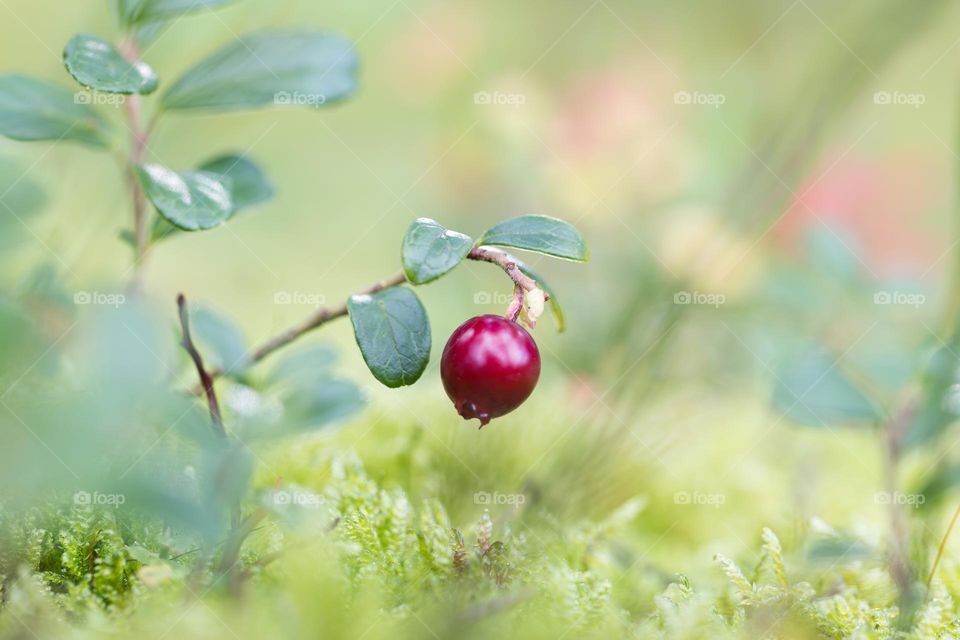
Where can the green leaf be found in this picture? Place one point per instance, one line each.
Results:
(32, 109)
(812, 391)
(133, 12)
(306, 363)
(227, 346)
(96, 64)
(248, 185)
(553, 302)
(393, 334)
(542, 234)
(269, 68)
(430, 250)
(191, 200)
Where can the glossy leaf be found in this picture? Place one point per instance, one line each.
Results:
(32, 109)
(96, 64)
(294, 68)
(133, 12)
(248, 185)
(191, 200)
(541, 234)
(812, 390)
(393, 333)
(430, 250)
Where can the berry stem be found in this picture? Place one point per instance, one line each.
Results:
(505, 262)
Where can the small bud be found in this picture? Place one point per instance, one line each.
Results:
(534, 304)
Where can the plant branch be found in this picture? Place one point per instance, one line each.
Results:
(325, 314)
(505, 262)
(943, 545)
(206, 379)
(139, 139)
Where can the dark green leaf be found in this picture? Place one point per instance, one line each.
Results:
(542, 234)
(430, 250)
(270, 68)
(812, 390)
(96, 64)
(553, 302)
(32, 109)
(248, 185)
(393, 333)
(191, 200)
(133, 12)
(227, 347)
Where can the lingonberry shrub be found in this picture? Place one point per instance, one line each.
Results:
(487, 373)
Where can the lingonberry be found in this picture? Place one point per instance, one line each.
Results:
(489, 367)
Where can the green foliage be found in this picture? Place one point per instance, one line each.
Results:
(32, 109)
(393, 333)
(270, 67)
(96, 64)
(190, 200)
(430, 250)
(134, 12)
(541, 234)
(247, 183)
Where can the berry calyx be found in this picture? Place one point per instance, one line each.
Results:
(489, 367)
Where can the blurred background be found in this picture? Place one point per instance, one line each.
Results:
(752, 178)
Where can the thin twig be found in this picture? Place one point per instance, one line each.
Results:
(139, 139)
(206, 380)
(943, 545)
(325, 314)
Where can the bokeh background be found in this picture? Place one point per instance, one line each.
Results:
(751, 177)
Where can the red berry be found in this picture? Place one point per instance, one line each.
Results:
(489, 367)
